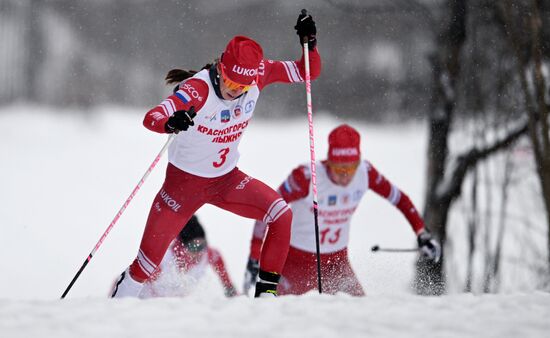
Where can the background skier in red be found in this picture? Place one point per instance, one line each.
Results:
(185, 264)
(342, 180)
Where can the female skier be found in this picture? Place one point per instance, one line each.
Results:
(209, 111)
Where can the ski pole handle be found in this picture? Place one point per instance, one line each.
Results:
(305, 39)
(377, 248)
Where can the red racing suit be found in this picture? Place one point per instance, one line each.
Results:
(202, 166)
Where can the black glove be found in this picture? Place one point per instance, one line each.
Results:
(230, 292)
(429, 247)
(180, 120)
(305, 27)
(252, 269)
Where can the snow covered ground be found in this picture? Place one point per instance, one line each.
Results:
(64, 177)
(307, 316)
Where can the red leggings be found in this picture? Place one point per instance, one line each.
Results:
(300, 274)
(182, 194)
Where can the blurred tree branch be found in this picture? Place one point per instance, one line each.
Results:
(522, 23)
(469, 159)
(446, 172)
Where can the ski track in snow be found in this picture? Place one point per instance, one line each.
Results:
(64, 177)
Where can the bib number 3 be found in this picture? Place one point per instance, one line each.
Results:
(223, 157)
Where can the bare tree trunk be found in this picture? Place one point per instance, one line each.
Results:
(540, 136)
(472, 231)
(497, 257)
(488, 231)
(535, 103)
(446, 68)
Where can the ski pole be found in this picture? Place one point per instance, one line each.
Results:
(119, 213)
(377, 248)
(312, 156)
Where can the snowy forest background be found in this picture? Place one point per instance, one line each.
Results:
(471, 75)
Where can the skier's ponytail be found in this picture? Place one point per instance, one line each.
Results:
(178, 75)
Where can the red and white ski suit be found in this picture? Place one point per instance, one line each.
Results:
(181, 271)
(336, 207)
(202, 166)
